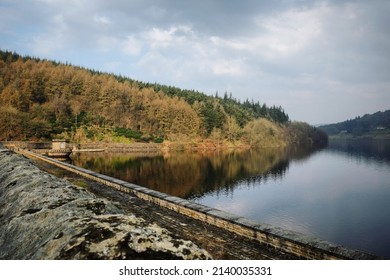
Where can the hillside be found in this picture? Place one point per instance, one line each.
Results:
(369, 125)
(41, 99)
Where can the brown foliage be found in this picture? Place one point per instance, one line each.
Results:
(40, 99)
(62, 98)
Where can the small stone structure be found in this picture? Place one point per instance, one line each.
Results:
(58, 144)
(59, 149)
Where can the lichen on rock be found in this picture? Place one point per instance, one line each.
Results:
(44, 217)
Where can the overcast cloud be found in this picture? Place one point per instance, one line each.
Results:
(322, 61)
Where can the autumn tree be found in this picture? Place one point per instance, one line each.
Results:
(231, 129)
(11, 122)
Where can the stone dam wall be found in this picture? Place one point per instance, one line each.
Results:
(44, 217)
(287, 241)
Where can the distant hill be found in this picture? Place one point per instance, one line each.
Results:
(42, 99)
(368, 125)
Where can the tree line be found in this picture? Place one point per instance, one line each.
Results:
(40, 99)
(379, 121)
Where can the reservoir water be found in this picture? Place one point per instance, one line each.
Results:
(340, 193)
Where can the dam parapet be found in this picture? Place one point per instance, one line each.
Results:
(45, 217)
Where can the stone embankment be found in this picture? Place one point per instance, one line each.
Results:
(44, 217)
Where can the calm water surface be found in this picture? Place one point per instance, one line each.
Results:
(340, 193)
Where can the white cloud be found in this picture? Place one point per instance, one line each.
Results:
(131, 46)
(289, 33)
(102, 20)
(278, 35)
(229, 67)
(106, 43)
(158, 38)
(173, 36)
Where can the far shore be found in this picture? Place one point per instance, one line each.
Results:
(42, 146)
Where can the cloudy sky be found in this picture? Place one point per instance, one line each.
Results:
(322, 61)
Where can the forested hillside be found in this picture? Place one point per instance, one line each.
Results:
(377, 123)
(41, 99)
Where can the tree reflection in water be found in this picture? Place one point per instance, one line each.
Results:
(194, 174)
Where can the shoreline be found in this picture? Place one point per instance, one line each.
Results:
(113, 146)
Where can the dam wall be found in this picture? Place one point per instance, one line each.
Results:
(302, 246)
(43, 147)
(45, 217)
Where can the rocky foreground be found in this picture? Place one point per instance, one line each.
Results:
(44, 217)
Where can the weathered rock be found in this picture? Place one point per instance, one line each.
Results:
(44, 217)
